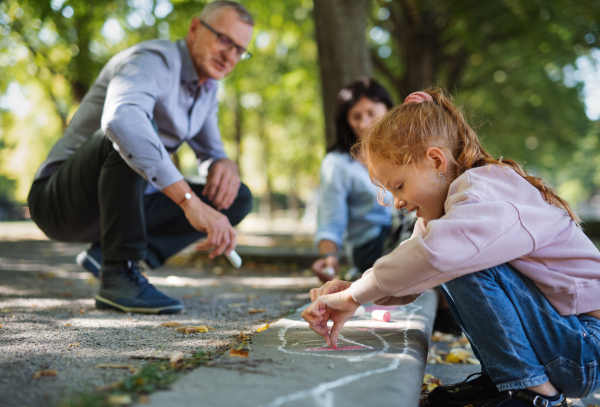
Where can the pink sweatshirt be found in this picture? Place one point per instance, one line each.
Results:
(493, 216)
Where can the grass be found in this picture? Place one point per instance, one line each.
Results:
(151, 377)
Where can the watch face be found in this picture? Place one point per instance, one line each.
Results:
(188, 195)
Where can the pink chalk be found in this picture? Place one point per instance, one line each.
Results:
(381, 315)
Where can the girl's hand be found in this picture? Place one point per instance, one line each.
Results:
(338, 307)
(329, 287)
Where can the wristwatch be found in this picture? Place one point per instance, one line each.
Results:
(188, 195)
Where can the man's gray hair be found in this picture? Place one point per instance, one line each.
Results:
(211, 10)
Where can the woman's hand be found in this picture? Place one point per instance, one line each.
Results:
(338, 307)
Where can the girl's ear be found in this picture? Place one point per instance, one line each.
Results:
(437, 158)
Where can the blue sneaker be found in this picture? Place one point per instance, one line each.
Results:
(91, 259)
(124, 288)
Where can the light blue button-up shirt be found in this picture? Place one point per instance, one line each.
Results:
(348, 209)
(151, 80)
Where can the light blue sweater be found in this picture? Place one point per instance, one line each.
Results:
(348, 209)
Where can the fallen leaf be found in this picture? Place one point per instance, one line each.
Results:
(256, 310)
(191, 329)
(143, 399)
(170, 324)
(239, 353)
(73, 344)
(287, 303)
(111, 386)
(263, 328)
(235, 305)
(237, 289)
(1, 326)
(47, 372)
(187, 296)
(252, 297)
(82, 311)
(458, 355)
(119, 399)
(175, 358)
(113, 366)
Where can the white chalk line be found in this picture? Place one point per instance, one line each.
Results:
(322, 395)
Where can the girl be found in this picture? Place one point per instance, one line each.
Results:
(520, 276)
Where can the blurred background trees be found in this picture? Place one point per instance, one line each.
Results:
(519, 67)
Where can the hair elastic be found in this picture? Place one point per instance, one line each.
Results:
(418, 97)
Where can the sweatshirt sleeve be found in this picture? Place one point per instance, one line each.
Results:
(474, 234)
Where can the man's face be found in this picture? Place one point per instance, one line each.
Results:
(211, 59)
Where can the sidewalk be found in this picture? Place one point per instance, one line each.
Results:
(376, 363)
(48, 322)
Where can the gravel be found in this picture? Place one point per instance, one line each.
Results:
(48, 320)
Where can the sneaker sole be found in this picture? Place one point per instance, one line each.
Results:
(103, 303)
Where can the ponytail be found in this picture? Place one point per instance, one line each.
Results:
(424, 121)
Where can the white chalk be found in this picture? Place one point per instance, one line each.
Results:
(360, 311)
(234, 259)
(381, 315)
(329, 271)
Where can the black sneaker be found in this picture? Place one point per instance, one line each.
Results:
(528, 398)
(125, 289)
(91, 259)
(476, 392)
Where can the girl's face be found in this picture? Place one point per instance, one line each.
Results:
(363, 113)
(416, 187)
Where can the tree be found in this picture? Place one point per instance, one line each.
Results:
(340, 27)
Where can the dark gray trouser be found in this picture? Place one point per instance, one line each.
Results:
(96, 197)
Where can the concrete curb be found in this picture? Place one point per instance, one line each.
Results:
(376, 363)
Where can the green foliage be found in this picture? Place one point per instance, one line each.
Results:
(511, 64)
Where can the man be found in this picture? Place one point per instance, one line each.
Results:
(109, 180)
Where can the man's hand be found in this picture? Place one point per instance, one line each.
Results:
(220, 234)
(222, 183)
(338, 307)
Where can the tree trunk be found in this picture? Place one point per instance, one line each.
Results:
(340, 27)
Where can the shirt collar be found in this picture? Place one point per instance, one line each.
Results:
(188, 72)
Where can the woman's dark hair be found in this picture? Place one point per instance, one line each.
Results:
(347, 98)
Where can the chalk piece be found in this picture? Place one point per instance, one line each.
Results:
(234, 259)
(329, 271)
(360, 311)
(381, 315)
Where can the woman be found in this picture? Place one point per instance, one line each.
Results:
(349, 215)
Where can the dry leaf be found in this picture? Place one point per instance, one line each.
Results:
(82, 311)
(143, 399)
(252, 297)
(119, 399)
(111, 386)
(256, 310)
(73, 344)
(458, 355)
(113, 366)
(170, 324)
(175, 358)
(1, 325)
(235, 305)
(190, 329)
(67, 324)
(66, 295)
(239, 353)
(47, 372)
(263, 328)
(288, 303)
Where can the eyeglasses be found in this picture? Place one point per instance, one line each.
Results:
(227, 44)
